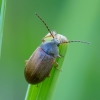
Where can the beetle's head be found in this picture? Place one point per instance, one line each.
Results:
(55, 41)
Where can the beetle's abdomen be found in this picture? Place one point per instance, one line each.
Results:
(38, 66)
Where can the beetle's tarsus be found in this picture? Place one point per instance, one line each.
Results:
(58, 56)
(57, 67)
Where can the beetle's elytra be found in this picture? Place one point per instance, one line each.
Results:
(39, 65)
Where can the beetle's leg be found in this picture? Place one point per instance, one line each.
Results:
(58, 56)
(57, 66)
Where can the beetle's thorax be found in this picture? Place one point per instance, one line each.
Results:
(51, 47)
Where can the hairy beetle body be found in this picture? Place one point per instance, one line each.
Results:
(38, 66)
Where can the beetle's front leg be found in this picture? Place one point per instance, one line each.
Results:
(56, 66)
(60, 56)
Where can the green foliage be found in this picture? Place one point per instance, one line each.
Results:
(23, 32)
(2, 17)
(43, 90)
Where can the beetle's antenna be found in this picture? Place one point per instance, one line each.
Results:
(44, 23)
(78, 41)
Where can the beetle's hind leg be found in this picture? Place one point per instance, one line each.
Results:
(56, 66)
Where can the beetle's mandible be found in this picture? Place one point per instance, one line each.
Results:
(39, 65)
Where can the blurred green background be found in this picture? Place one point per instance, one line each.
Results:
(22, 34)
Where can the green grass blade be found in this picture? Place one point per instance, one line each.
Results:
(44, 90)
(2, 17)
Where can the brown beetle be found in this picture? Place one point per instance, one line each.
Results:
(39, 65)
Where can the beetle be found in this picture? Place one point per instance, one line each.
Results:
(40, 63)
